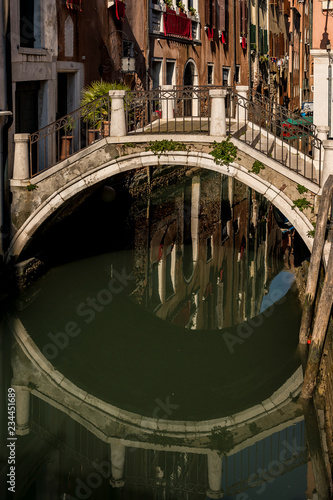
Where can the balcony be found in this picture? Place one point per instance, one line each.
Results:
(172, 23)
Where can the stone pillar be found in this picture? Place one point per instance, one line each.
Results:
(118, 124)
(322, 134)
(167, 102)
(22, 397)
(241, 110)
(328, 161)
(214, 476)
(218, 125)
(21, 157)
(117, 464)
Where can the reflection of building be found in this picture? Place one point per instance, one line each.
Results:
(66, 448)
(213, 246)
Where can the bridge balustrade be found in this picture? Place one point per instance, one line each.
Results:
(204, 110)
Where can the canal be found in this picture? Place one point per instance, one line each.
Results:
(161, 338)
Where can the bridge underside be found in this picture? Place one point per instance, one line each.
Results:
(76, 177)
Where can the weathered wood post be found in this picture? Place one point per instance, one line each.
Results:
(319, 332)
(118, 122)
(317, 250)
(218, 125)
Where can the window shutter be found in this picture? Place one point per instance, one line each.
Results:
(222, 15)
(261, 41)
(265, 42)
(271, 44)
(207, 12)
(213, 13)
(252, 35)
(243, 17)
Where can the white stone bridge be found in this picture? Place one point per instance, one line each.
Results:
(46, 180)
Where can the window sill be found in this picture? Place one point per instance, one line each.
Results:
(162, 36)
(32, 52)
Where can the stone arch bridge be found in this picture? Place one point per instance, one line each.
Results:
(38, 195)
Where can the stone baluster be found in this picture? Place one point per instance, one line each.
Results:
(241, 109)
(117, 464)
(118, 122)
(167, 102)
(218, 125)
(21, 169)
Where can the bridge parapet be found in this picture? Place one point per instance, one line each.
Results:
(77, 176)
(218, 111)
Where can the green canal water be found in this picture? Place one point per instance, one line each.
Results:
(169, 295)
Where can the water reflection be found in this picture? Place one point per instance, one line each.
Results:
(166, 367)
(213, 247)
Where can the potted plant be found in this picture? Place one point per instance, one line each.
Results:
(97, 107)
(192, 11)
(181, 6)
(169, 3)
(66, 139)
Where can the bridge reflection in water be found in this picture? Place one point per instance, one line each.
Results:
(162, 404)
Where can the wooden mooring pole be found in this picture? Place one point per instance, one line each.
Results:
(319, 331)
(317, 251)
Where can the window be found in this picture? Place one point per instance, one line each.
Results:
(210, 74)
(170, 72)
(209, 250)
(225, 77)
(237, 75)
(156, 72)
(30, 24)
(128, 59)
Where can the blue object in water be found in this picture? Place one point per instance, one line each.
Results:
(278, 289)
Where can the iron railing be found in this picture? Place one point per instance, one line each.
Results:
(262, 124)
(278, 109)
(291, 142)
(179, 110)
(68, 135)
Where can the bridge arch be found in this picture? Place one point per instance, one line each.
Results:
(108, 169)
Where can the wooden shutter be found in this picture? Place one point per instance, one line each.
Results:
(222, 16)
(271, 44)
(207, 12)
(253, 35)
(213, 13)
(265, 42)
(243, 13)
(286, 7)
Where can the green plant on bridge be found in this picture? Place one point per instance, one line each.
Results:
(301, 189)
(32, 187)
(311, 233)
(97, 109)
(224, 152)
(221, 440)
(257, 166)
(301, 204)
(160, 147)
(254, 428)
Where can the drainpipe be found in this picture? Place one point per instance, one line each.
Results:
(235, 44)
(5, 120)
(147, 43)
(249, 44)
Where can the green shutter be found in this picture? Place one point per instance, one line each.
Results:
(265, 42)
(261, 40)
(253, 33)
